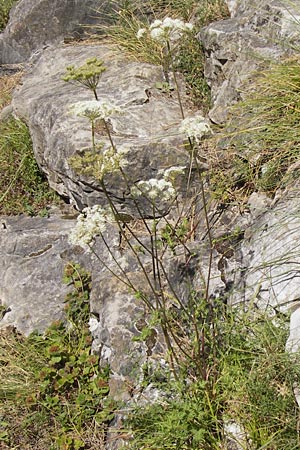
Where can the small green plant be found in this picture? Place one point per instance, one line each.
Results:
(53, 379)
(23, 187)
(88, 75)
(175, 235)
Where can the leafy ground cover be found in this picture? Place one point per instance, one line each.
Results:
(53, 390)
(5, 7)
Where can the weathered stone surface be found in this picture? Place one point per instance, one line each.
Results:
(33, 252)
(271, 256)
(35, 24)
(257, 32)
(148, 128)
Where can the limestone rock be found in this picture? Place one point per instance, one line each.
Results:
(35, 24)
(148, 128)
(33, 253)
(271, 256)
(258, 32)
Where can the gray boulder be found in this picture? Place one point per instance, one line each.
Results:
(258, 32)
(33, 253)
(271, 254)
(35, 24)
(147, 129)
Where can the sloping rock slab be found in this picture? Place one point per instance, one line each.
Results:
(33, 253)
(258, 32)
(271, 256)
(34, 24)
(148, 128)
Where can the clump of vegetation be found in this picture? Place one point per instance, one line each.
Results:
(250, 380)
(189, 54)
(221, 366)
(23, 187)
(7, 84)
(5, 7)
(52, 388)
(261, 146)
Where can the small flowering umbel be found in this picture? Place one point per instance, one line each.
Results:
(97, 165)
(95, 110)
(195, 128)
(90, 224)
(88, 75)
(167, 30)
(173, 172)
(153, 190)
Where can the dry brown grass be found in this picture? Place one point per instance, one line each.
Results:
(7, 85)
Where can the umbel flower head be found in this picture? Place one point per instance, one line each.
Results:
(90, 223)
(94, 109)
(88, 75)
(99, 164)
(154, 189)
(195, 127)
(166, 30)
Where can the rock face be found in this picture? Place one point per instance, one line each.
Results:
(35, 24)
(147, 128)
(33, 253)
(272, 255)
(257, 32)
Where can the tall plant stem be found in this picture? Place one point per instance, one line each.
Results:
(115, 213)
(93, 135)
(204, 202)
(175, 79)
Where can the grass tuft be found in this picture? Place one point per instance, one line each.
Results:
(189, 55)
(260, 147)
(23, 187)
(5, 7)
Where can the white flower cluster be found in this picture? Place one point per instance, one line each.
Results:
(89, 224)
(109, 161)
(166, 30)
(93, 109)
(154, 189)
(93, 325)
(195, 127)
(173, 172)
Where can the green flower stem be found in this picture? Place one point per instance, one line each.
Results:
(115, 213)
(93, 89)
(204, 202)
(128, 187)
(93, 135)
(175, 80)
(109, 135)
